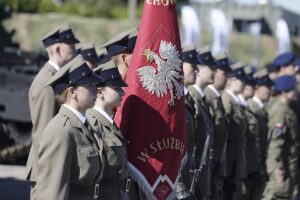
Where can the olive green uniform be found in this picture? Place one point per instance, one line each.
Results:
(262, 120)
(252, 155)
(69, 164)
(235, 153)
(217, 112)
(43, 108)
(115, 183)
(203, 135)
(282, 152)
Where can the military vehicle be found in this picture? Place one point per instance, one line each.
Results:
(17, 70)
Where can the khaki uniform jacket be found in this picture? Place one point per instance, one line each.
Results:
(283, 147)
(262, 119)
(235, 154)
(217, 112)
(204, 128)
(43, 107)
(185, 177)
(69, 160)
(115, 156)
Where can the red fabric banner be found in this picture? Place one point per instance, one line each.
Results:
(152, 114)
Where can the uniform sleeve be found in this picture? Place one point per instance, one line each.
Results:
(277, 132)
(293, 144)
(54, 165)
(42, 110)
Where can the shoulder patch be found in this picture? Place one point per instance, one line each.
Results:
(277, 131)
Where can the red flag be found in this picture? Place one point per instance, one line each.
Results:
(152, 114)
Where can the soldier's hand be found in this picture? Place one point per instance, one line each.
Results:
(279, 175)
(185, 195)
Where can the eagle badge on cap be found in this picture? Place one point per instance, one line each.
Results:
(165, 77)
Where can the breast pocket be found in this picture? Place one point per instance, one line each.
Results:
(114, 150)
(89, 162)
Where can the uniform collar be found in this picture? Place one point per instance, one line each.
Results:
(80, 116)
(54, 65)
(233, 96)
(258, 101)
(242, 100)
(185, 90)
(199, 90)
(101, 111)
(217, 93)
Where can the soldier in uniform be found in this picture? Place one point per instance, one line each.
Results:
(220, 126)
(69, 160)
(115, 183)
(251, 139)
(59, 44)
(120, 49)
(283, 147)
(183, 188)
(88, 52)
(235, 152)
(204, 127)
(257, 106)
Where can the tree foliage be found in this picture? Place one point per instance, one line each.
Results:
(89, 8)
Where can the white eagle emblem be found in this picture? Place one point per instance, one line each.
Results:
(167, 73)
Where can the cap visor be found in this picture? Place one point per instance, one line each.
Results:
(117, 82)
(104, 59)
(92, 78)
(72, 41)
(75, 40)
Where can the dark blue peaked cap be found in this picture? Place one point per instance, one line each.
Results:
(190, 55)
(223, 63)
(271, 67)
(109, 74)
(121, 43)
(297, 62)
(262, 78)
(76, 72)
(249, 72)
(103, 56)
(238, 71)
(205, 57)
(88, 52)
(62, 34)
(132, 38)
(284, 59)
(285, 83)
